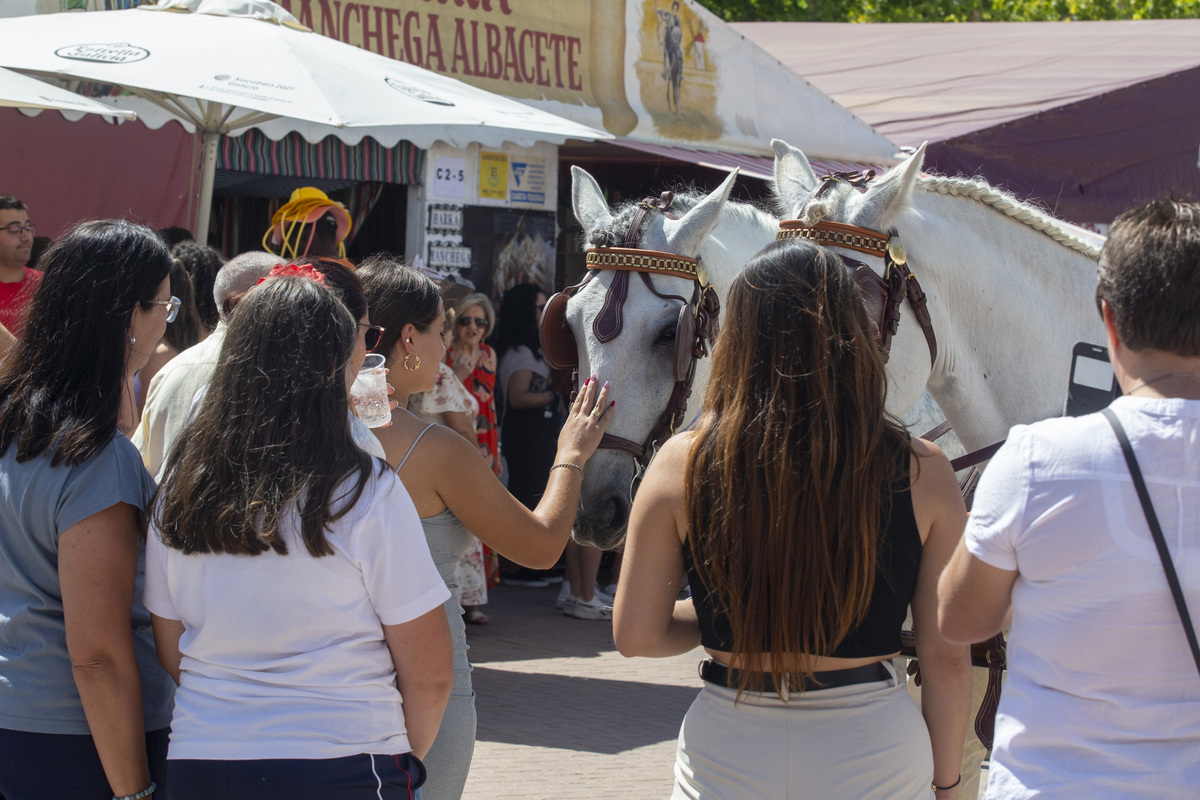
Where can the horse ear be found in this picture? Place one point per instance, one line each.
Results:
(591, 209)
(794, 177)
(890, 194)
(686, 234)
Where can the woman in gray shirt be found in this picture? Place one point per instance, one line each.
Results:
(82, 697)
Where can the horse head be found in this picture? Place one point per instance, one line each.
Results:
(627, 337)
(876, 205)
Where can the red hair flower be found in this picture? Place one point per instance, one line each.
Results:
(294, 271)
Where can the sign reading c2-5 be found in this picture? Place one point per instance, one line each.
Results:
(450, 177)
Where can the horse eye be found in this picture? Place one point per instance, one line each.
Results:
(666, 335)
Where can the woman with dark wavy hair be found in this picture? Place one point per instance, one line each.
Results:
(806, 520)
(84, 705)
(455, 491)
(294, 598)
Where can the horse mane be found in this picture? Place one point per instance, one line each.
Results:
(972, 188)
(686, 198)
(1007, 204)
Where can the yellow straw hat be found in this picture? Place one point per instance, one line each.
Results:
(306, 205)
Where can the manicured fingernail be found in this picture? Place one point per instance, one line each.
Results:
(613, 403)
(605, 384)
(589, 380)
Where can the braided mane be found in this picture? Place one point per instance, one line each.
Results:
(972, 188)
(1010, 206)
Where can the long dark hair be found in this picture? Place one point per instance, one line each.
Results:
(273, 431)
(202, 264)
(398, 296)
(785, 484)
(185, 331)
(517, 325)
(61, 385)
(342, 279)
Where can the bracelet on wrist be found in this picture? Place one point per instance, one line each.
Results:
(937, 788)
(568, 464)
(149, 790)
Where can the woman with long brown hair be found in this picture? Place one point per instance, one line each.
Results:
(806, 521)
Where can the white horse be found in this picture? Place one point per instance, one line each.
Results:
(638, 363)
(1010, 290)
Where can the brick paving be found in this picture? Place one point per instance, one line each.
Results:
(562, 715)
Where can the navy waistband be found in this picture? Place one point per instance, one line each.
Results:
(716, 672)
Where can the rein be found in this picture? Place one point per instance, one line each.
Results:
(695, 329)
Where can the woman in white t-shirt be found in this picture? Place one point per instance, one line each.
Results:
(293, 596)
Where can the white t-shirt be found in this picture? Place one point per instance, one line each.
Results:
(284, 656)
(1102, 698)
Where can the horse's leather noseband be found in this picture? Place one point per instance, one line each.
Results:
(695, 329)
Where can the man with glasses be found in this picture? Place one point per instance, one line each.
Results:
(17, 281)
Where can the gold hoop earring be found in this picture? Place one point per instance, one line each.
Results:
(415, 368)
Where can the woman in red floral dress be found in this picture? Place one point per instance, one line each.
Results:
(475, 365)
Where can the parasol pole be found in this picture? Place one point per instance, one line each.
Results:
(208, 167)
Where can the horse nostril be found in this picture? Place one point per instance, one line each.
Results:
(616, 510)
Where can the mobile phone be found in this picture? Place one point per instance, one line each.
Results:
(1092, 385)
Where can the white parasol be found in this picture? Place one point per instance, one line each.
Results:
(21, 91)
(225, 65)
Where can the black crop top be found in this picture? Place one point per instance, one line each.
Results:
(899, 557)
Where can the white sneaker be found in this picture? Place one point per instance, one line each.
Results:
(611, 590)
(589, 609)
(605, 596)
(564, 597)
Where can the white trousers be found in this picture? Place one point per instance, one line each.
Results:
(861, 742)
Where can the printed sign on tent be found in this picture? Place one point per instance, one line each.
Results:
(450, 177)
(527, 183)
(493, 175)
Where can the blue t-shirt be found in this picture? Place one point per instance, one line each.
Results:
(37, 503)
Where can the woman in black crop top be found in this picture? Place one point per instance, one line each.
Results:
(806, 522)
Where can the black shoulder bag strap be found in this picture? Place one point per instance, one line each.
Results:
(1156, 531)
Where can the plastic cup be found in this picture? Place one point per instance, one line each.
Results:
(369, 392)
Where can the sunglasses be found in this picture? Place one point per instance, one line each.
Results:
(478, 322)
(373, 336)
(172, 307)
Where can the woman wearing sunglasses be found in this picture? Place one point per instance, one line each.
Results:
(474, 363)
(455, 491)
(84, 705)
(343, 280)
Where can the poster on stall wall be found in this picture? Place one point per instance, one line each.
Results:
(527, 181)
(493, 175)
(509, 246)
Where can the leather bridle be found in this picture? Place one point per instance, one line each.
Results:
(695, 329)
(882, 296)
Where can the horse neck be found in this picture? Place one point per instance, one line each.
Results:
(1008, 303)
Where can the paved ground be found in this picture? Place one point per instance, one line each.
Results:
(562, 715)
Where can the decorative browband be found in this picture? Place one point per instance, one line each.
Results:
(851, 236)
(636, 260)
